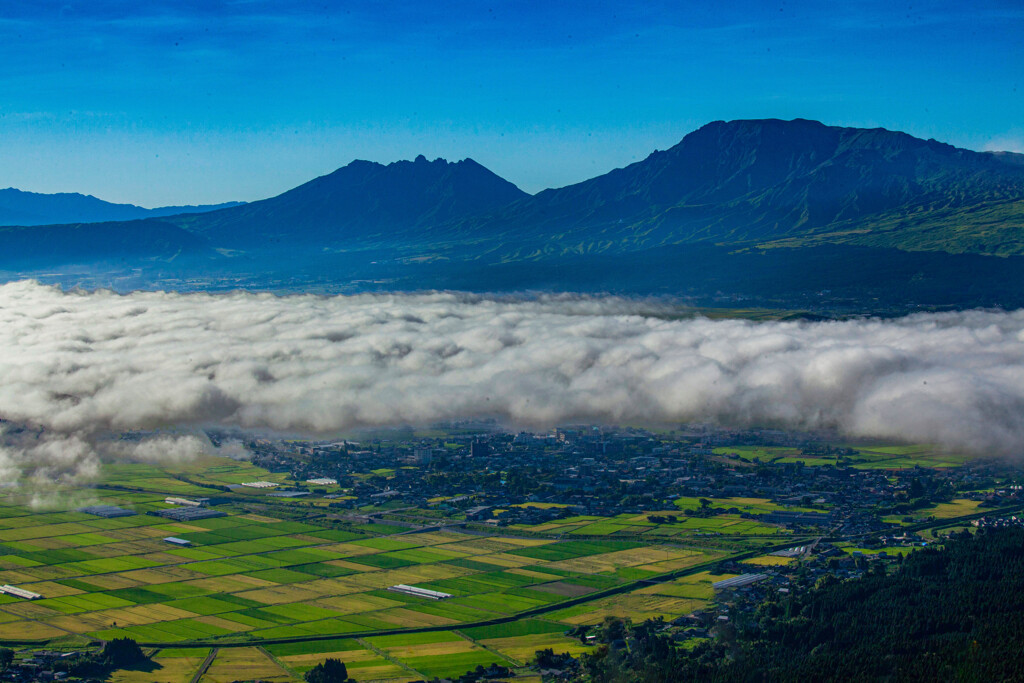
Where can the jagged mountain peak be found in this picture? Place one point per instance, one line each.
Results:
(365, 200)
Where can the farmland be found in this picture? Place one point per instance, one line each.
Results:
(629, 525)
(869, 455)
(252, 577)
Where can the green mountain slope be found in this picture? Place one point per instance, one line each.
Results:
(746, 183)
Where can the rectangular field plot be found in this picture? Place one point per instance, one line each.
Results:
(636, 606)
(889, 456)
(454, 664)
(638, 556)
(171, 666)
(522, 649)
(573, 549)
(442, 654)
(524, 627)
(244, 664)
(956, 508)
(694, 587)
(362, 663)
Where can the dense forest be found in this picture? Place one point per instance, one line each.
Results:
(950, 614)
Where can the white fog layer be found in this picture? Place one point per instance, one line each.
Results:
(77, 366)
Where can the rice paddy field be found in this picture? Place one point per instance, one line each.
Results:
(630, 525)
(204, 470)
(870, 455)
(255, 578)
(955, 508)
(667, 600)
(769, 561)
(383, 658)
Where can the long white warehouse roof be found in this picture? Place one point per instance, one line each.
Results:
(19, 592)
(737, 581)
(420, 592)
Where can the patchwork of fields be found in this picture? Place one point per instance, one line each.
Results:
(256, 578)
(382, 658)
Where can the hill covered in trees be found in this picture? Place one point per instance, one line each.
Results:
(951, 614)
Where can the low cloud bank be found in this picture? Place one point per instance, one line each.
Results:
(76, 366)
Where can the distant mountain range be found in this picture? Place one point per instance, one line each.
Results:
(759, 192)
(33, 208)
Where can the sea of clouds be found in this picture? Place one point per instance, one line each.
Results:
(76, 367)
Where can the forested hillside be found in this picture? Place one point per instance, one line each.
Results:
(951, 614)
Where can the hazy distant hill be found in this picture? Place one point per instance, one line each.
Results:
(361, 201)
(33, 208)
(119, 244)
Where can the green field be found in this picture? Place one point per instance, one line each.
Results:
(760, 453)
(871, 455)
(254, 577)
(641, 528)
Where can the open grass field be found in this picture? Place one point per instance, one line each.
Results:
(253, 577)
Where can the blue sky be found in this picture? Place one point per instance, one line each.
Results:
(196, 101)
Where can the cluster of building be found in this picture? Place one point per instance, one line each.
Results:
(488, 475)
(39, 665)
(998, 522)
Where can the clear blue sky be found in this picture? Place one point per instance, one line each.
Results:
(195, 101)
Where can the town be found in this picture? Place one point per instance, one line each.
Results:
(489, 476)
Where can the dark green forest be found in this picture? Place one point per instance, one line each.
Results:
(950, 614)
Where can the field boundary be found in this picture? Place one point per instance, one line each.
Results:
(536, 611)
(543, 609)
(205, 666)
